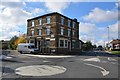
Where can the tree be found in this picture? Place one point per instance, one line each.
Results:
(12, 42)
(21, 39)
(87, 46)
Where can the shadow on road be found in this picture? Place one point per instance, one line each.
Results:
(7, 60)
(6, 70)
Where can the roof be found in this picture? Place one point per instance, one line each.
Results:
(52, 14)
(115, 41)
(81, 41)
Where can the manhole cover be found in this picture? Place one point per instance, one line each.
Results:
(40, 70)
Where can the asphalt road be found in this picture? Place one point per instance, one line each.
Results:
(92, 64)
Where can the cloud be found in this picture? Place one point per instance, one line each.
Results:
(12, 17)
(56, 6)
(99, 15)
(98, 35)
(88, 32)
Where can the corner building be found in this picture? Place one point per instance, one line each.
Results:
(53, 33)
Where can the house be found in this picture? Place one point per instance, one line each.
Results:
(4, 44)
(53, 32)
(115, 44)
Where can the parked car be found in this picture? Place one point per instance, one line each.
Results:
(26, 48)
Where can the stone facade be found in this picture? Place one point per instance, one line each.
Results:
(53, 32)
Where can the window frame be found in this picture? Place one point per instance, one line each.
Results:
(39, 31)
(69, 31)
(40, 21)
(47, 43)
(65, 43)
(62, 31)
(32, 23)
(62, 20)
(32, 33)
(69, 23)
(60, 43)
(48, 20)
(48, 33)
(74, 23)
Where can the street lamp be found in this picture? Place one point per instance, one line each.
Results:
(108, 38)
(19, 33)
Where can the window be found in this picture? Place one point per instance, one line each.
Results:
(68, 33)
(33, 23)
(61, 43)
(62, 31)
(48, 31)
(73, 44)
(32, 33)
(40, 32)
(62, 20)
(73, 25)
(48, 20)
(47, 43)
(66, 43)
(40, 21)
(68, 23)
(73, 33)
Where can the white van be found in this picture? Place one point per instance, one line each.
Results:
(26, 48)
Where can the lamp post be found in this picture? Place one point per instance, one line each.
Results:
(19, 33)
(108, 38)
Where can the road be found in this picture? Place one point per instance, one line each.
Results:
(92, 64)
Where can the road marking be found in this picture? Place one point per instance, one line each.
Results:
(92, 59)
(46, 61)
(47, 56)
(40, 70)
(104, 72)
(111, 59)
(4, 57)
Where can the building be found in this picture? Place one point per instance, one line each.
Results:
(53, 32)
(115, 44)
(4, 44)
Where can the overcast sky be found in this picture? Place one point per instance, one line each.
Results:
(94, 17)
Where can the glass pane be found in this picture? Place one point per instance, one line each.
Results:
(32, 23)
(48, 20)
(40, 21)
(61, 43)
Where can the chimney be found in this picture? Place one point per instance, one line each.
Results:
(75, 19)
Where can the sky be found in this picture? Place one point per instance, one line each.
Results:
(94, 17)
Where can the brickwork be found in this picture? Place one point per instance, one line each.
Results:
(55, 29)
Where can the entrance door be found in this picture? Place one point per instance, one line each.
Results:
(39, 45)
(69, 46)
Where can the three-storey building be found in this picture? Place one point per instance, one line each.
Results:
(53, 32)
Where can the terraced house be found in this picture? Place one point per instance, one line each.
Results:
(53, 32)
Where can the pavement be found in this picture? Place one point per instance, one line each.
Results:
(92, 64)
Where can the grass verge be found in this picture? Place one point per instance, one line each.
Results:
(115, 52)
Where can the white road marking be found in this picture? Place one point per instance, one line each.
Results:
(104, 72)
(4, 57)
(40, 70)
(46, 61)
(111, 59)
(92, 59)
(47, 56)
